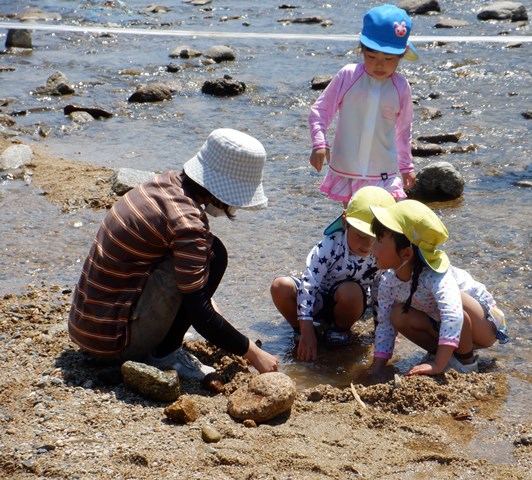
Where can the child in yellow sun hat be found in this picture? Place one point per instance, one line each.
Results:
(437, 306)
(339, 276)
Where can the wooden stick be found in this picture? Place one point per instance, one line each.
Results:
(357, 397)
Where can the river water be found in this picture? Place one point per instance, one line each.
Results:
(481, 89)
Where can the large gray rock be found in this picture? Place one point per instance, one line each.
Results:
(320, 82)
(419, 7)
(125, 179)
(18, 39)
(184, 51)
(15, 156)
(451, 23)
(56, 84)
(150, 382)
(220, 53)
(152, 92)
(513, 11)
(265, 397)
(438, 181)
(223, 87)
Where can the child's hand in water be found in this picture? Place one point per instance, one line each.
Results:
(308, 343)
(318, 157)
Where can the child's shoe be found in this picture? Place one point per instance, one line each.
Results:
(460, 367)
(335, 337)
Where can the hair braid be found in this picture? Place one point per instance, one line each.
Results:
(418, 267)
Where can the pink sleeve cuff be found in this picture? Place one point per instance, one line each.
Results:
(382, 355)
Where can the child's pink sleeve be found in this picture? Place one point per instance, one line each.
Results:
(403, 129)
(324, 109)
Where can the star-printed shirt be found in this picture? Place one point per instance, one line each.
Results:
(437, 294)
(331, 262)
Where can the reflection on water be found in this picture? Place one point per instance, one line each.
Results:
(481, 91)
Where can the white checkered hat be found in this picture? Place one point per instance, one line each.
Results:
(229, 165)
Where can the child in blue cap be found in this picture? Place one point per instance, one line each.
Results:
(372, 144)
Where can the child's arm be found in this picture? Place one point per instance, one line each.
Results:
(437, 366)
(385, 333)
(403, 135)
(325, 107)
(308, 344)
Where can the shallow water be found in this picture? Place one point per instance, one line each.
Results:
(480, 88)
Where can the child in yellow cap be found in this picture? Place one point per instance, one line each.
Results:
(437, 306)
(340, 271)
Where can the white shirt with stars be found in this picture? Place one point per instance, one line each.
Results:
(330, 261)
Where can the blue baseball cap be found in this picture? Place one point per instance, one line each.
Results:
(386, 29)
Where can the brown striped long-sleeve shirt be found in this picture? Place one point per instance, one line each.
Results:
(151, 222)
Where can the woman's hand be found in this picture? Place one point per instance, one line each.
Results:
(261, 360)
(318, 157)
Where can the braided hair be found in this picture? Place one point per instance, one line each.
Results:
(401, 241)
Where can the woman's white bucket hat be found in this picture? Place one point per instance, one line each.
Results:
(229, 165)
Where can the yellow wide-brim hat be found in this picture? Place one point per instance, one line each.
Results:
(421, 226)
(358, 213)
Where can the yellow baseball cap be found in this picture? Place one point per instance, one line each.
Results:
(421, 226)
(358, 213)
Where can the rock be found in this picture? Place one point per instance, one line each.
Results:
(440, 138)
(199, 3)
(419, 7)
(220, 53)
(426, 149)
(527, 114)
(320, 82)
(210, 434)
(524, 440)
(184, 410)
(305, 20)
(184, 51)
(153, 8)
(451, 23)
(513, 11)
(151, 382)
(464, 148)
(213, 382)
(265, 397)
(152, 92)
(81, 117)
(315, 396)
(428, 113)
(18, 39)
(439, 181)
(248, 423)
(523, 183)
(125, 179)
(37, 15)
(96, 113)
(6, 120)
(173, 68)
(15, 156)
(223, 87)
(56, 84)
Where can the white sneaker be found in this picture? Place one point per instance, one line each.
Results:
(460, 367)
(186, 364)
